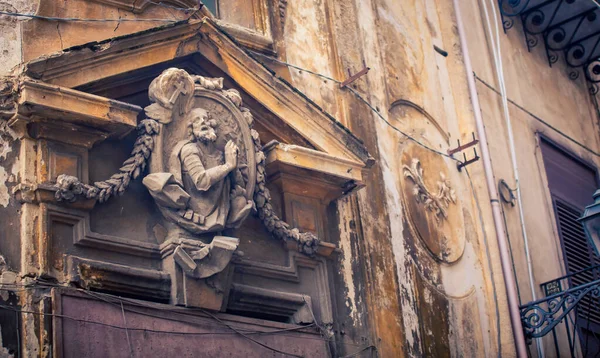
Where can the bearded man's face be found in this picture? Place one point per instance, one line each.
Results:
(202, 129)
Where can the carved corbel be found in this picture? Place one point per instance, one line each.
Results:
(8, 97)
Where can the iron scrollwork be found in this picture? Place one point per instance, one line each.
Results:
(542, 316)
(566, 27)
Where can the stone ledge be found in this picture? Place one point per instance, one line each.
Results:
(307, 172)
(52, 108)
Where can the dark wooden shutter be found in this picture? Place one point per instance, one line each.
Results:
(572, 185)
(578, 255)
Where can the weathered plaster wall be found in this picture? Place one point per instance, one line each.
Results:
(11, 51)
(68, 34)
(396, 41)
(391, 290)
(9, 207)
(548, 93)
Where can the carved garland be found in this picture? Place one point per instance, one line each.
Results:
(307, 242)
(70, 188)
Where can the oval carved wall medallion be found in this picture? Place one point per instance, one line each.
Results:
(433, 209)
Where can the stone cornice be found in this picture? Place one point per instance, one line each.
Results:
(138, 6)
(314, 160)
(52, 110)
(99, 60)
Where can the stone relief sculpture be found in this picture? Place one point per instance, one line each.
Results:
(206, 171)
(434, 212)
(203, 189)
(438, 202)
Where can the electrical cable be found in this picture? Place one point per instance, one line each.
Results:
(185, 9)
(118, 303)
(126, 331)
(17, 317)
(147, 329)
(293, 66)
(512, 258)
(494, 289)
(252, 339)
(74, 19)
(116, 300)
(322, 330)
(496, 51)
(359, 352)
(355, 93)
(362, 99)
(230, 327)
(537, 118)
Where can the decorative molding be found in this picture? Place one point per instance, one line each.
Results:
(314, 160)
(107, 276)
(83, 236)
(291, 274)
(139, 6)
(434, 212)
(8, 97)
(45, 102)
(249, 38)
(435, 202)
(282, 7)
(172, 95)
(118, 56)
(69, 188)
(421, 110)
(297, 307)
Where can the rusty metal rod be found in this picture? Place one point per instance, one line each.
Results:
(355, 76)
(463, 147)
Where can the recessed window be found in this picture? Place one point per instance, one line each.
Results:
(249, 14)
(212, 6)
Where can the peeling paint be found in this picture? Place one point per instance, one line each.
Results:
(5, 148)
(4, 195)
(347, 263)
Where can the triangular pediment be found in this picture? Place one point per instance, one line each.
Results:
(199, 46)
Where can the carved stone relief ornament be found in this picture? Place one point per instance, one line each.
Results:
(433, 210)
(436, 202)
(206, 171)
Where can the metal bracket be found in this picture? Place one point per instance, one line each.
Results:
(353, 77)
(460, 148)
(466, 162)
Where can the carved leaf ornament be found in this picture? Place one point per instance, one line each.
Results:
(172, 96)
(435, 202)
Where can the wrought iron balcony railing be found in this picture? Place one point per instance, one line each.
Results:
(568, 28)
(571, 301)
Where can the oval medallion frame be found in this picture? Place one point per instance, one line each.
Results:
(235, 128)
(434, 212)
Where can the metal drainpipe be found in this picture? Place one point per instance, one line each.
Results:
(511, 287)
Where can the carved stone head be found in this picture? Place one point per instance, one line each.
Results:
(201, 126)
